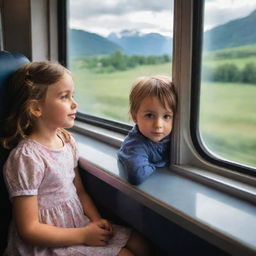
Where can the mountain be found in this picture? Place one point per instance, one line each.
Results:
(234, 33)
(135, 43)
(83, 43)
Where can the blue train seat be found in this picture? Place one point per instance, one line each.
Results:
(9, 63)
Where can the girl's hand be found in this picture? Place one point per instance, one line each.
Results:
(105, 224)
(96, 235)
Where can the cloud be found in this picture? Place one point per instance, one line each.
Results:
(219, 12)
(80, 9)
(106, 16)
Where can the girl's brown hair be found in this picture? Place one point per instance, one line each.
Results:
(28, 84)
(153, 86)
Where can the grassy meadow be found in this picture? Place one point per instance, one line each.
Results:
(227, 116)
(227, 110)
(106, 94)
(228, 120)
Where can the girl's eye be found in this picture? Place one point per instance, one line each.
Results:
(64, 96)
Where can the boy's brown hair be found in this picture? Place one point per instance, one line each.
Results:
(159, 86)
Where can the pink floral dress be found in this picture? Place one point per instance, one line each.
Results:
(33, 169)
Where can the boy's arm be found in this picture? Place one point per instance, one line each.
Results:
(136, 164)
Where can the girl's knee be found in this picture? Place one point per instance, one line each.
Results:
(139, 245)
(125, 252)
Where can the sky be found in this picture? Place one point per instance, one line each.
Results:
(146, 16)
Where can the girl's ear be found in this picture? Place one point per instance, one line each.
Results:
(35, 108)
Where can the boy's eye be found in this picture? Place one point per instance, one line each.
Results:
(149, 115)
(167, 116)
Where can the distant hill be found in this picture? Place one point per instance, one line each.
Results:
(135, 43)
(83, 43)
(234, 33)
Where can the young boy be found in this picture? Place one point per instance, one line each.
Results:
(152, 106)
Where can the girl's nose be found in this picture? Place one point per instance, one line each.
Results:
(74, 104)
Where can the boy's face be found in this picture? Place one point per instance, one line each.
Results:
(153, 120)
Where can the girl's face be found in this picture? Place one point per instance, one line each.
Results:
(153, 120)
(59, 108)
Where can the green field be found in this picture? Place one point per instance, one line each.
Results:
(239, 56)
(227, 117)
(228, 120)
(106, 94)
(239, 62)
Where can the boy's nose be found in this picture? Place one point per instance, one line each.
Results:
(158, 123)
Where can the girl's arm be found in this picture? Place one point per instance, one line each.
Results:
(25, 209)
(89, 208)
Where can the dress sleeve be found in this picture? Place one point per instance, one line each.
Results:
(23, 174)
(135, 161)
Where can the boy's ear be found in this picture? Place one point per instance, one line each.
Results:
(35, 108)
(134, 118)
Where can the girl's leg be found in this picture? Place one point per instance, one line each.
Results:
(138, 245)
(125, 252)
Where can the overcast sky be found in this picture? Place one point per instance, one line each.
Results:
(106, 16)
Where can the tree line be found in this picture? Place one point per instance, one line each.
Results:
(120, 62)
(229, 72)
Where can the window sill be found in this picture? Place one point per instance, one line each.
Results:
(245, 190)
(225, 220)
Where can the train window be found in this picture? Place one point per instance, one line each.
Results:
(113, 42)
(227, 121)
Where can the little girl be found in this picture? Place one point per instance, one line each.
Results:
(152, 106)
(53, 215)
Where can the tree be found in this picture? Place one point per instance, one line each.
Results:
(249, 73)
(226, 73)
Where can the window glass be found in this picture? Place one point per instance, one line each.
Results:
(227, 120)
(113, 42)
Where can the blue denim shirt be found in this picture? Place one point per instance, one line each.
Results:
(140, 156)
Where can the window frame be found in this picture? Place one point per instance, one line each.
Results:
(187, 148)
(1, 31)
(116, 126)
(198, 11)
(185, 159)
(62, 13)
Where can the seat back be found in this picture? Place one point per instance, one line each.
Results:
(9, 63)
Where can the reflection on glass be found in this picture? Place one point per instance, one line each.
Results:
(228, 83)
(113, 42)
